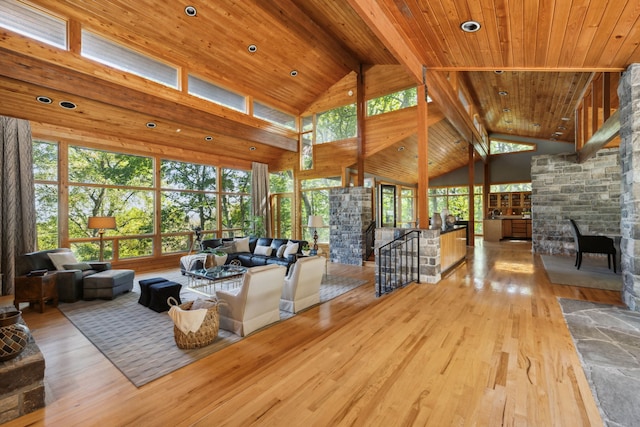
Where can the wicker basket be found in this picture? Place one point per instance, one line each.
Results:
(202, 337)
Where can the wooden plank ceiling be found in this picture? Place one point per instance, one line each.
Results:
(546, 51)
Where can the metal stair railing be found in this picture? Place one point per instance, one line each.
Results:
(398, 263)
(369, 240)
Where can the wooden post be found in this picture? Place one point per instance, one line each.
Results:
(360, 113)
(471, 225)
(423, 157)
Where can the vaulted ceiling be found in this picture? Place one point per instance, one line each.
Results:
(540, 55)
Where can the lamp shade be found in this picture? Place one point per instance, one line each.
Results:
(102, 222)
(315, 221)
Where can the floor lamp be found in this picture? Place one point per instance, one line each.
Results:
(315, 221)
(102, 223)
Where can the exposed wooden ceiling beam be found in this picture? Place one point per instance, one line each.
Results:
(47, 75)
(438, 88)
(609, 130)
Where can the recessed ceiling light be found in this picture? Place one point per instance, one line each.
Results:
(67, 104)
(252, 48)
(470, 26)
(44, 99)
(537, 125)
(498, 71)
(151, 125)
(506, 110)
(565, 119)
(562, 127)
(503, 93)
(190, 11)
(507, 121)
(208, 138)
(350, 93)
(178, 130)
(401, 148)
(293, 73)
(252, 148)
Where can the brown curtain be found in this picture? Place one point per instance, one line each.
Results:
(17, 198)
(260, 195)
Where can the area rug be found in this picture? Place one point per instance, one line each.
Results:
(139, 341)
(593, 272)
(607, 339)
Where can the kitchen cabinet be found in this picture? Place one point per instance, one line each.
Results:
(514, 203)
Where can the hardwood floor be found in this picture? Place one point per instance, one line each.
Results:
(486, 346)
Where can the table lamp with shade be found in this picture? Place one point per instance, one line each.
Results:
(102, 223)
(315, 221)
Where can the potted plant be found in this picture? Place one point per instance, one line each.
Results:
(306, 250)
(219, 257)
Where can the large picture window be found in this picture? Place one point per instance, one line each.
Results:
(392, 102)
(334, 125)
(315, 201)
(235, 203)
(188, 202)
(45, 173)
(103, 183)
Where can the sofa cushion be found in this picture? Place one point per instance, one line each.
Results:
(59, 259)
(264, 241)
(280, 251)
(228, 247)
(263, 250)
(78, 266)
(257, 260)
(242, 244)
(245, 258)
(291, 249)
(211, 243)
(276, 243)
(253, 241)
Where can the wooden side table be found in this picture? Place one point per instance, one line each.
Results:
(36, 289)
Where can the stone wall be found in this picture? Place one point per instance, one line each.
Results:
(562, 189)
(629, 94)
(351, 212)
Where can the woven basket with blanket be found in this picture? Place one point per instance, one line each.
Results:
(195, 322)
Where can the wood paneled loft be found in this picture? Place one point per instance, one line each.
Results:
(527, 71)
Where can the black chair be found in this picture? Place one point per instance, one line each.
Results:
(594, 245)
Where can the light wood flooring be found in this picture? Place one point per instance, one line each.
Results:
(487, 346)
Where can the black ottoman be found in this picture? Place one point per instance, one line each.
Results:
(145, 296)
(159, 293)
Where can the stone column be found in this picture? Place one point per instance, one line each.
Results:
(351, 213)
(629, 95)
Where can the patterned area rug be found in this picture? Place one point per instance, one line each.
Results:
(139, 341)
(607, 339)
(593, 272)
